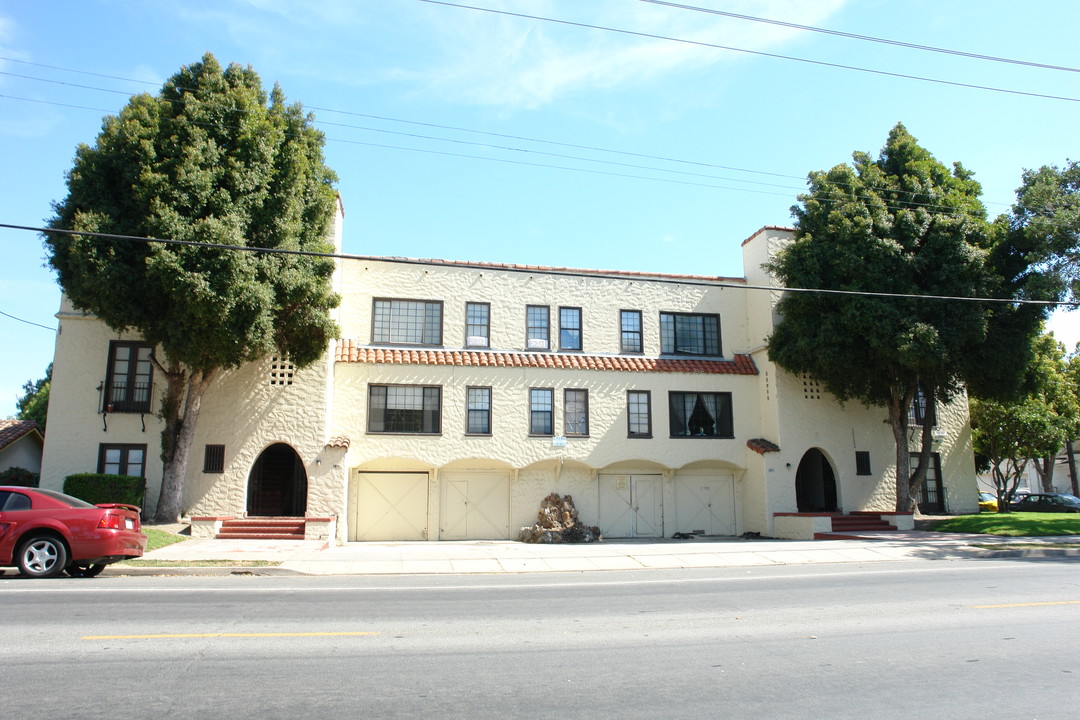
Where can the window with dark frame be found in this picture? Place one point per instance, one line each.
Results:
(541, 411)
(689, 334)
(921, 412)
(214, 459)
(537, 327)
(630, 331)
(862, 462)
(404, 409)
(639, 414)
(700, 414)
(569, 328)
(478, 410)
(576, 412)
(129, 377)
(122, 459)
(407, 322)
(477, 324)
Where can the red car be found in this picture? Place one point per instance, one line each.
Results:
(45, 533)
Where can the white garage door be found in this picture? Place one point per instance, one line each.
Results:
(705, 504)
(475, 506)
(631, 505)
(388, 506)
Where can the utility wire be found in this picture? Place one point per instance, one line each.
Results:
(28, 322)
(700, 281)
(868, 38)
(759, 53)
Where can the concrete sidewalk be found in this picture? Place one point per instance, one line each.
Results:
(496, 557)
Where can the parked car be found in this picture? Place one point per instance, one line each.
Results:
(45, 533)
(1047, 502)
(987, 502)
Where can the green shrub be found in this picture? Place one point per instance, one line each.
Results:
(19, 476)
(97, 488)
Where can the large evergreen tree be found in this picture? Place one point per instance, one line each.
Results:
(211, 159)
(902, 224)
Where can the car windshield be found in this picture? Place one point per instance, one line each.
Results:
(66, 499)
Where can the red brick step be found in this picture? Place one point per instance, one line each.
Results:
(262, 528)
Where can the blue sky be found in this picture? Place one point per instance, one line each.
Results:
(470, 135)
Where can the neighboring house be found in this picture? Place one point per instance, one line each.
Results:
(462, 394)
(21, 445)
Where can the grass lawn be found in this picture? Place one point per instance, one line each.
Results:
(1017, 524)
(159, 538)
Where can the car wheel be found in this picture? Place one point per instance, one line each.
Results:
(82, 570)
(43, 556)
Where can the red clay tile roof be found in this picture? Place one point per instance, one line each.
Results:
(12, 430)
(339, 442)
(780, 228)
(762, 446)
(351, 351)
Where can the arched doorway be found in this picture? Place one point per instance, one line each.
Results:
(815, 483)
(277, 485)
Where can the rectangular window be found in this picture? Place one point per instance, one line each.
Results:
(630, 325)
(921, 411)
(477, 325)
(537, 327)
(407, 322)
(639, 414)
(541, 411)
(569, 328)
(122, 460)
(931, 499)
(404, 409)
(862, 462)
(689, 334)
(129, 377)
(478, 410)
(700, 415)
(214, 459)
(576, 412)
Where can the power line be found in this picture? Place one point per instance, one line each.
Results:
(527, 269)
(857, 36)
(28, 322)
(760, 53)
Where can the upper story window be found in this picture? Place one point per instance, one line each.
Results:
(689, 334)
(694, 414)
(537, 327)
(478, 411)
(477, 325)
(922, 410)
(576, 412)
(630, 331)
(404, 409)
(638, 414)
(569, 328)
(407, 322)
(130, 377)
(541, 411)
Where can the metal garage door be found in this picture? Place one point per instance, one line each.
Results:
(705, 504)
(631, 505)
(388, 506)
(475, 506)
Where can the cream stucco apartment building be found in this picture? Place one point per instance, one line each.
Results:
(461, 394)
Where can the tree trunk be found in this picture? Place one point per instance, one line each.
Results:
(898, 421)
(177, 437)
(1071, 455)
(1044, 466)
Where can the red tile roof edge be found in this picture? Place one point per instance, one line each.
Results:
(349, 351)
(12, 430)
(762, 446)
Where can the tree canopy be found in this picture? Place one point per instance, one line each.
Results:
(896, 226)
(211, 159)
(33, 404)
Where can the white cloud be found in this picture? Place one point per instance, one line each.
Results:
(501, 60)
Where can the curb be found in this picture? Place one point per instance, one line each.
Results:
(220, 571)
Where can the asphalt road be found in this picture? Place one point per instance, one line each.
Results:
(933, 639)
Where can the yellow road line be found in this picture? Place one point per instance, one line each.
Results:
(172, 636)
(1033, 604)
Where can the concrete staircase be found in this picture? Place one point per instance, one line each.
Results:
(262, 528)
(847, 527)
